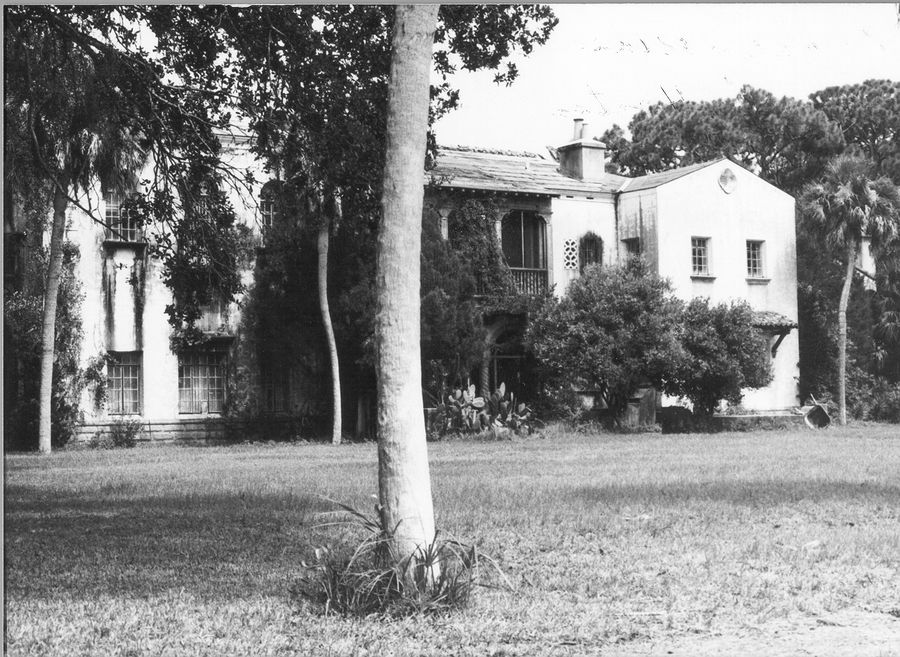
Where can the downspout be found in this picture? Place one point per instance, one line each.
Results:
(617, 239)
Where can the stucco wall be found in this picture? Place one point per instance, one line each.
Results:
(637, 219)
(696, 206)
(572, 218)
(138, 321)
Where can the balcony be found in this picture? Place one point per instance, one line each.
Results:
(529, 281)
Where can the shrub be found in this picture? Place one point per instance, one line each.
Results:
(367, 579)
(723, 353)
(871, 397)
(124, 433)
(498, 415)
(615, 330)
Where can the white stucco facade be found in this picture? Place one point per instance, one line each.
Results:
(696, 206)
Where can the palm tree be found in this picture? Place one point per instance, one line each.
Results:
(404, 483)
(847, 205)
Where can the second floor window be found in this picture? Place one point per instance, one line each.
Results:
(755, 267)
(700, 256)
(523, 238)
(269, 201)
(121, 225)
(632, 247)
(590, 251)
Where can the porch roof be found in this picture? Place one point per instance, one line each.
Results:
(460, 167)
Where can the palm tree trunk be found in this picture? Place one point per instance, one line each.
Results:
(852, 251)
(404, 482)
(48, 328)
(322, 250)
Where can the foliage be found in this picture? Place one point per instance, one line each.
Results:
(851, 203)
(461, 412)
(368, 579)
(723, 354)
(615, 330)
(786, 141)
(22, 311)
(452, 333)
(124, 433)
(870, 397)
(276, 309)
(868, 115)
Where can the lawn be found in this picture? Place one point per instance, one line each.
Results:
(639, 544)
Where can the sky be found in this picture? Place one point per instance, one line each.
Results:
(605, 62)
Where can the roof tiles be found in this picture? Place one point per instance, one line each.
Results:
(512, 172)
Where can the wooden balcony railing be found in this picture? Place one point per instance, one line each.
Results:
(529, 281)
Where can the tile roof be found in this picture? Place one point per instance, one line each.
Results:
(770, 319)
(656, 179)
(512, 172)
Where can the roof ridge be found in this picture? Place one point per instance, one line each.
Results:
(491, 151)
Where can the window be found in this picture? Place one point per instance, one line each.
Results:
(267, 212)
(123, 377)
(590, 251)
(700, 256)
(268, 204)
(201, 382)
(121, 222)
(275, 380)
(523, 240)
(755, 267)
(632, 246)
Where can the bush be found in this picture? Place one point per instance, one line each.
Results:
(723, 353)
(614, 331)
(497, 416)
(870, 397)
(124, 433)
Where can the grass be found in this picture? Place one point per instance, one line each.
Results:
(609, 541)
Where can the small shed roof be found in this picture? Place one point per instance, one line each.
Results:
(459, 167)
(771, 319)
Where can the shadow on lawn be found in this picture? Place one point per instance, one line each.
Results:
(214, 547)
(739, 492)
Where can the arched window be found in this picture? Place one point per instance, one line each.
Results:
(523, 237)
(269, 203)
(590, 251)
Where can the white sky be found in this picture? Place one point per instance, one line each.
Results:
(605, 62)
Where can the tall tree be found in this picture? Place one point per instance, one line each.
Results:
(787, 141)
(850, 204)
(322, 241)
(404, 482)
(868, 115)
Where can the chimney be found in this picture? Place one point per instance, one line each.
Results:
(584, 157)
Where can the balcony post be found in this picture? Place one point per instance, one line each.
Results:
(547, 216)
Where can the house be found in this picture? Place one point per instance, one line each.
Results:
(713, 229)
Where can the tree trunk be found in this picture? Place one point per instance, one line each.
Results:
(322, 249)
(404, 482)
(852, 252)
(48, 328)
